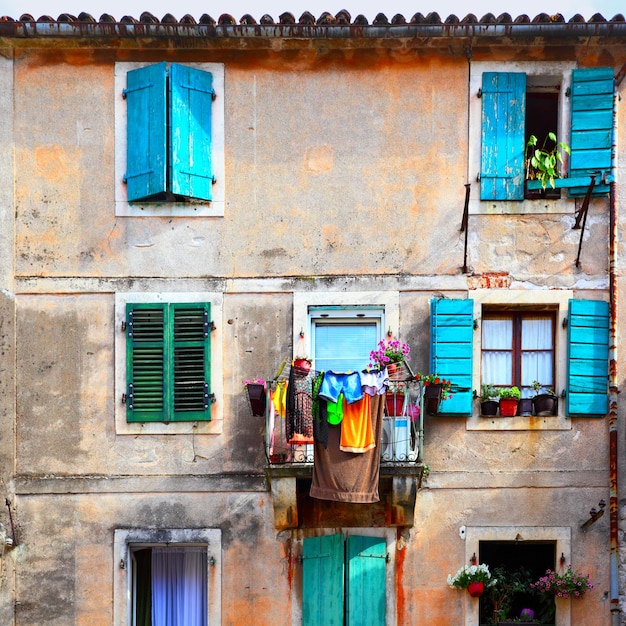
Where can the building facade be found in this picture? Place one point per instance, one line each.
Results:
(188, 205)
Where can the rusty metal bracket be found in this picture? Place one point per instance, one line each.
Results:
(582, 216)
(464, 223)
(13, 531)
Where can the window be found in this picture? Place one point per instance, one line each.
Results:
(518, 348)
(344, 582)
(506, 107)
(168, 362)
(169, 139)
(164, 363)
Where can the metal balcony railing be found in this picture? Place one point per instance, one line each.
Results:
(402, 432)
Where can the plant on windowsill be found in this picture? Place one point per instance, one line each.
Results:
(436, 389)
(509, 399)
(488, 400)
(509, 587)
(545, 403)
(569, 584)
(542, 164)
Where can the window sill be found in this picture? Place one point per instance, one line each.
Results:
(519, 422)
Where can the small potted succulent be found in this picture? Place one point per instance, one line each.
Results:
(509, 399)
(488, 400)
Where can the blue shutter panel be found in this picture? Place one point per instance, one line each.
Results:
(451, 350)
(322, 581)
(366, 593)
(191, 100)
(503, 128)
(146, 131)
(588, 358)
(592, 126)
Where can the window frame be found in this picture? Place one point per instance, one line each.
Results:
(194, 208)
(215, 425)
(126, 540)
(532, 70)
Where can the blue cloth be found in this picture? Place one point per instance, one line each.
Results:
(335, 383)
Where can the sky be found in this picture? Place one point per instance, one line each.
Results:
(258, 8)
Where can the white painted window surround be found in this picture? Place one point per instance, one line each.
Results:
(561, 71)
(214, 426)
(125, 539)
(215, 208)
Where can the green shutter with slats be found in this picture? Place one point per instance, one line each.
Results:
(451, 351)
(503, 127)
(592, 126)
(168, 363)
(191, 101)
(146, 123)
(322, 581)
(588, 358)
(366, 559)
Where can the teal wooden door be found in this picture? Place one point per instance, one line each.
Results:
(365, 573)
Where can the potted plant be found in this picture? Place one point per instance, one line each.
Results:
(302, 365)
(488, 400)
(390, 354)
(542, 164)
(256, 395)
(509, 399)
(394, 399)
(546, 403)
(569, 584)
(509, 588)
(474, 578)
(436, 389)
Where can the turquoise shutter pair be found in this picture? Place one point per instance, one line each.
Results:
(451, 350)
(168, 132)
(168, 363)
(332, 574)
(503, 131)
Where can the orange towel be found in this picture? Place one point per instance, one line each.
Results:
(356, 429)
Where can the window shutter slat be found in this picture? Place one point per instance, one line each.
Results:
(588, 358)
(146, 131)
(592, 126)
(191, 96)
(503, 128)
(366, 564)
(323, 581)
(451, 351)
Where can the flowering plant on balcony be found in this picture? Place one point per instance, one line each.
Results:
(471, 574)
(435, 379)
(569, 584)
(389, 351)
(253, 381)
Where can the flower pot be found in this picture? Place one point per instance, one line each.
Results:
(545, 404)
(302, 367)
(394, 403)
(256, 395)
(432, 398)
(508, 407)
(525, 407)
(489, 407)
(476, 589)
(395, 371)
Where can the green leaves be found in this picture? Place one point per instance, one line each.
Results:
(543, 164)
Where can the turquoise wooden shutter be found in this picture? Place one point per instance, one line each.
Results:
(191, 100)
(588, 358)
(503, 128)
(191, 362)
(146, 121)
(146, 362)
(366, 559)
(322, 581)
(592, 126)
(451, 351)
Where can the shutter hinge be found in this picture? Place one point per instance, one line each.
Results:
(129, 325)
(480, 92)
(124, 93)
(213, 180)
(209, 398)
(213, 95)
(123, 325)
(128, 400)
(568, 92)
(208, 325)
(387, 558)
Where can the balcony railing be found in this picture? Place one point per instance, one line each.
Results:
(402, 433)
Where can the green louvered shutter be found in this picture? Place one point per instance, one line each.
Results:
(588, 358)
(451, 351)
(146, 122)
(592, 126)
(146, 362)
(366, 589)
(191, 99)
(191, 363)
(503, 127)
(323, 581)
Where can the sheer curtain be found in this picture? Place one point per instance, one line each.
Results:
(179, 586)
(497, 357)
(537, 351)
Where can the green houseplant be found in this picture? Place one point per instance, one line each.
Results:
(542, 164)
(545, 403)
(488, 400)
(509, 399)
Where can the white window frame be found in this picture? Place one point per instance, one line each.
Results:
(555, 298)
(214, 208)
(531, 69)
(125, 540)
(214, 426)
(562, 535)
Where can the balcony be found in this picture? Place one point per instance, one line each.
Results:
(290, 456)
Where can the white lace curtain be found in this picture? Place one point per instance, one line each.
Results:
(179, 586)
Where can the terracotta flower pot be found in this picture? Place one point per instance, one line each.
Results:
(476, 589)
(508, 407)
(394, 403)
